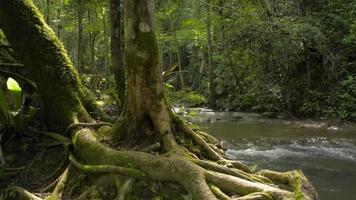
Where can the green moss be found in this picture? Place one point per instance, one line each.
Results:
(186, 97)
(47, 60)
(297, 185)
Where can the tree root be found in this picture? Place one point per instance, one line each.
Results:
(256, 196)
(58, 190)
(240, 186)
(125, 189)
(102, 188)
(194, 175)
(85, 125)
(212, 154)
(296, 179)
(231, 171)
(23, 194)
(108, 169)
(218, 193)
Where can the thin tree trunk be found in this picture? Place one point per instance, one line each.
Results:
(116, 49)
(59, 24)
(48, 10)
(212, 92)
(91, 37)
(181, 77)
(107, 46)
(80, 13)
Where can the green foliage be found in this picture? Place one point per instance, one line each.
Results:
(343, 102)
(16, 93)
(294, 57)
(184, 97)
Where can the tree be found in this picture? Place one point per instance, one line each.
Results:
(116, 48)
(147, 118)
(212, 84)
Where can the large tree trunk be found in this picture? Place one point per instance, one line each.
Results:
(145, 107)
(116, 48)
(47, 61)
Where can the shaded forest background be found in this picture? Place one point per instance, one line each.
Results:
(274, 56)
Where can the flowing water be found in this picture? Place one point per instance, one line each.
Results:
(326, 156)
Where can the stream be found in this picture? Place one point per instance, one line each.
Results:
(327, 155)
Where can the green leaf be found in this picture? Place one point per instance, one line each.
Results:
(12, 85)
(16, 93)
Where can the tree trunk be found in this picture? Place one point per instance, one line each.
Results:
(91, 38)
(48, 10)
(212, 87)
(116, 49)
(47, 61)
(80, 15)
(146, 108)
(181, 76)
(59, 23)
(106, 45)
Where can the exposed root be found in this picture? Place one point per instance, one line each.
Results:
(85, 125)
(108, 169)
(231, 171)
(208, 138)
(125, 189)
(103, 188)
(256, 196)
(194, 175)
(212, 154)
(50, 186)
(296, 179)
(58, 190)
(24, 194)
(240, 186)
(218, 193)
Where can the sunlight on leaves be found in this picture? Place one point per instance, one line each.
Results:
(12, 85)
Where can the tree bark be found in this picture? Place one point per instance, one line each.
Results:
(47, 61)
(91, 38)
(181, 76)
(116, 49)
(146, 109)
(48, 10)
(212, 87)
(80, 15)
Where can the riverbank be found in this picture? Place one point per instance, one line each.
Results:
(205, 115)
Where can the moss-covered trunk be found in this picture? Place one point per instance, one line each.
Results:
(47, 61)
(146, 107)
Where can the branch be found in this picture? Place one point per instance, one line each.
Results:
(11, 65)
